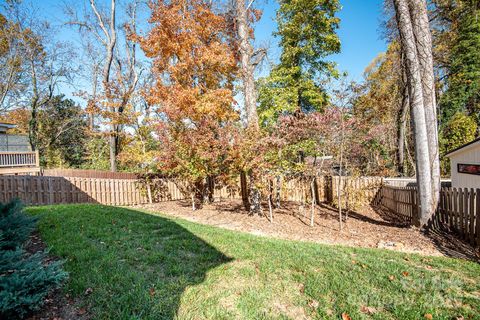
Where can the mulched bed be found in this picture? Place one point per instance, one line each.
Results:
(58, 305)
(365, 228)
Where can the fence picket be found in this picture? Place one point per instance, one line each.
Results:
(471, 217)
(477, 218)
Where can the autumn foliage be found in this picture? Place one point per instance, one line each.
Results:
(194, 67)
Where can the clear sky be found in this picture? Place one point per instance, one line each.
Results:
(359, 30)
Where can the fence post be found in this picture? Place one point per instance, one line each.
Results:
(415, 217)
(477, 223)
(471, 216)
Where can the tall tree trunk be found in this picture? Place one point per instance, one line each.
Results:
(417, 106)
(423, 37)
(247, 68)
(402, 125)
(111, 36)
(244, 190)
(247, 71)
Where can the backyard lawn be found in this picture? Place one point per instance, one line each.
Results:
(129, 264)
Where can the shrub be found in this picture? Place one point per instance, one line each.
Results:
(25, 279)
(15, 226)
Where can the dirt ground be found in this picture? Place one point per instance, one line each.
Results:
(366, 228)
(58, 305)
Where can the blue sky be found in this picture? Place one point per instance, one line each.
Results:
(359, 31)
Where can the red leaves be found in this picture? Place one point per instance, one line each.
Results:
(194, 65)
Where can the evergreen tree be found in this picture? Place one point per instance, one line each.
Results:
(306, 29)
(463, 82)
(15, 226)
(25, 279)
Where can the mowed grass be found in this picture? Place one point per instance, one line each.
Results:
(144, 266)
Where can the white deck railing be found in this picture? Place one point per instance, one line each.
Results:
(9, 159)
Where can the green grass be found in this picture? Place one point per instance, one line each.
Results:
(145, 266)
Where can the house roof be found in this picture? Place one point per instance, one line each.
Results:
(456, 150)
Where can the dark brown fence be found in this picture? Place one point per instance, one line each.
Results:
(458, 208)
(402, 201)
(79, 173)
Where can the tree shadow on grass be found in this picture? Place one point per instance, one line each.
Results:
(128, 264)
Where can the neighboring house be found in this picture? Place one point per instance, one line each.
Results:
(12, 142)
(16, 155)
(465, 165)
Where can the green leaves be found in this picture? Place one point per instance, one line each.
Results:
(306, 29)
(463, 68)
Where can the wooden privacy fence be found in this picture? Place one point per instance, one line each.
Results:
(43, 190)
(38, 190)
(402, 201)
(80, 173)
(458, 208)
(299, 189)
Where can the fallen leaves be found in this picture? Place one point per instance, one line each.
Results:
(405, 273)
(81, 311)
(151, 292)
(428, 316)
(345, 316)
(314, 304)
(368, 310)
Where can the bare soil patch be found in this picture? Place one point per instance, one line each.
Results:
(365, 228)
(58, 305)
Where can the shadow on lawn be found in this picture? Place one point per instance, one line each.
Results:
(138, 265)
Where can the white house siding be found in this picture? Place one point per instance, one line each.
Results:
(469, 155)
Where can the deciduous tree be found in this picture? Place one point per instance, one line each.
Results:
(412, 21)
(194, 67)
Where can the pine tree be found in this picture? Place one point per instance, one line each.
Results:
(15, 226)
(463, 82)
(306, 29)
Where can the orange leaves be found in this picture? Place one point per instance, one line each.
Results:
(345, 316)
(194, 67)
(193, 62)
